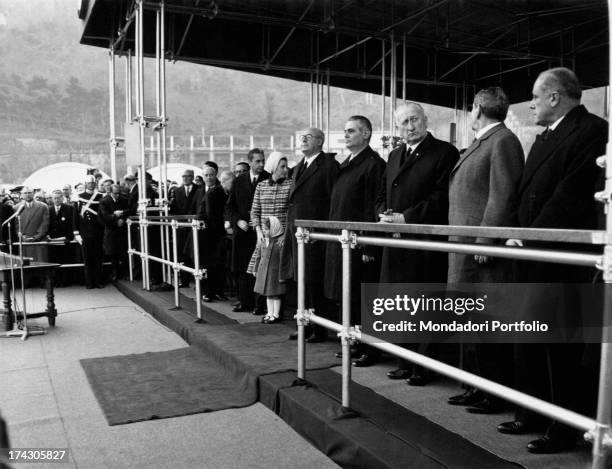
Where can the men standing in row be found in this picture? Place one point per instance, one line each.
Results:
(309, 199)
(483, 192)
(415, 190)
(556, 191)
(89, 232)
(184, 203)
(243, 233)
(353, 198)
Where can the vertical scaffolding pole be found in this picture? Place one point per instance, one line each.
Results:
(602, 438)
(111, 113)
(327, 139)
(177, 298)
(129, 242)
(301, 296)
(310, 117)
(128, 87)
(345, 240)
(392, 83)
(404, 68)
(164, 120)
(142, 200)
(382, 90)
(162, 231)
(196, 263)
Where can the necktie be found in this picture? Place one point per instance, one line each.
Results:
(254, 181)
(544, 135)
(187, 190)
(405, 156)
(302, 169)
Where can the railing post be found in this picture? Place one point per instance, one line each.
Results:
(177, 299)
(130, 254)
(301, 236)
(345, 240)
(196, 262)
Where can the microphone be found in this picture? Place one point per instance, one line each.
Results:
(16, 214)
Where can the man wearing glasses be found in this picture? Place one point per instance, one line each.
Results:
(314, 177)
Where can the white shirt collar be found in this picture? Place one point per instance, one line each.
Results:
(310, 159)
(554, 125)
(353, 155)
(414, 147)
(485, 129)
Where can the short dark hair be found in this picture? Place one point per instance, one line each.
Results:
(564, 80)
(213, 165)
(364, 121)
(244, 163)
(493, 102)
(255, 151)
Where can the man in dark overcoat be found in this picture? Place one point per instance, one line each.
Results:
(556, 191)
(113, 209)
(210, 208)
(415, 190)
(309, 199)
(353, 198)
(483, 192)
(61, 225)
(244, 237)
(89, 232)
(184, 203)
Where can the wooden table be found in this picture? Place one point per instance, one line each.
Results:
(45, 269)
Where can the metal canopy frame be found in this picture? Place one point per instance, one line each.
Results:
(448, 43)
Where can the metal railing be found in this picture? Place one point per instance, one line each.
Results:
(174, 223)
(598, 430)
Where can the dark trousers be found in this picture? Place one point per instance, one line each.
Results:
(92, 258)
(246, 296)
(215, 279)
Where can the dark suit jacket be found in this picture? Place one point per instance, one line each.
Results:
(89, 224)
(183, 205)
(483, 192)
(210, 207)
(35, 220)
(353, 198)
(309, 199)
(61, 225)
(419, 190)
(239, 208)
(115, 236)
(6, 211)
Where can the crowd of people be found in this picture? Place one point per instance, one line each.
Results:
(249, 215)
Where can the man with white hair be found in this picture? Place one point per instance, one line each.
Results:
(415, 190)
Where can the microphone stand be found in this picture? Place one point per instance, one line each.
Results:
(16, 331)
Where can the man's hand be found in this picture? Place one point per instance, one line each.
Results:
(514, 243)
(78, 239)
(367, 259)
(243, 225)
(481, 259)
(394, 217)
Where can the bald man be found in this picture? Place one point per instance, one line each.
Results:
(309, 199)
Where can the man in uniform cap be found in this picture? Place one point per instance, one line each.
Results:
(89, 232)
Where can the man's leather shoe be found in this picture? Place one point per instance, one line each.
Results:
(208, 298)
(316, 339)
(550, 445)
(417, 380)
(487, 405)
(259, 312)
(240, 309)
(222, 298)
(364, 361)
(399, 374)
(516, 427)
(293, 335)
(469, 397)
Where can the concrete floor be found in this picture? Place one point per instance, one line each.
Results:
(47, 402)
